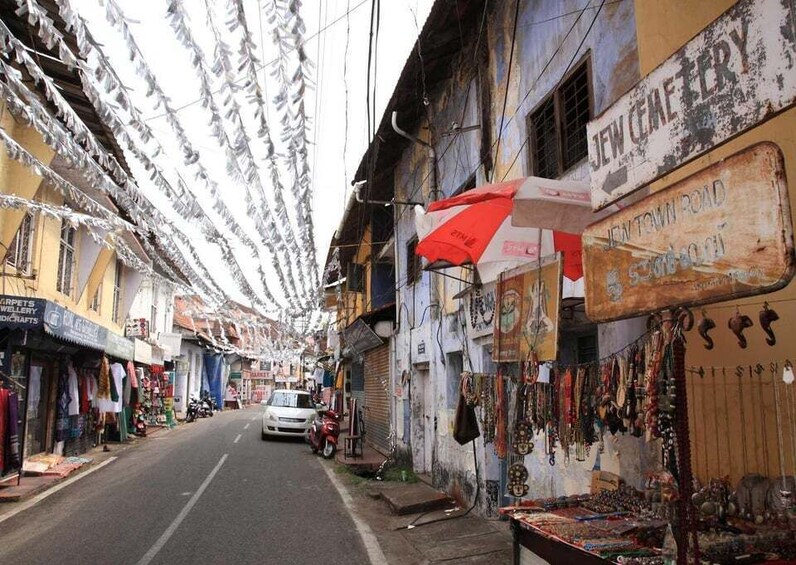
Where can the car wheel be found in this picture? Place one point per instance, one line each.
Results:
(328, 449)
(264, 436)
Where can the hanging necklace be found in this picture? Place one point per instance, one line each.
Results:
(739, 374)
(763, 427)
(715, 413)
(791, 423)
(778, 416)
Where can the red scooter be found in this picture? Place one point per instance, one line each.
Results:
(324, 432)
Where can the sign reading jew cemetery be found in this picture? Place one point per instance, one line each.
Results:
(736, 73)
(721, 233)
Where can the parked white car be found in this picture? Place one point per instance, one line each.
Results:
(288, 413)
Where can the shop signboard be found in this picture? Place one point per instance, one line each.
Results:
(480, 309)
(736, 73)
(722, 233)
(20, 313)
(66, 325)
(529, 299)
(137, 327)
(120, 347)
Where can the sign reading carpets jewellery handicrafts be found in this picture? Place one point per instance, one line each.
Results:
(528, 300)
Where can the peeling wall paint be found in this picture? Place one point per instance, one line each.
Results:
(457, 102)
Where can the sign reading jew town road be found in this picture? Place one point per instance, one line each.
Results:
(739, 71)
(721, 233)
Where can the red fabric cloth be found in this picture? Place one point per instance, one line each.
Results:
(572, 248)
(504, 190)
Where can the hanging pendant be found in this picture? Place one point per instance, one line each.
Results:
(787, 373)
(738, 323)
(705, 325)
(767, 316)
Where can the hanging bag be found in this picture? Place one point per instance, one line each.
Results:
(465, 425)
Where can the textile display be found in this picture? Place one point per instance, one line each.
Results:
(104, 382)
(74, 396)
(3, 426)
(117, 386)
(62, 424)
(212, 370)
(13, 455)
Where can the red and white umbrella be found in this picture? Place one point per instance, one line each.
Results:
(501, 226)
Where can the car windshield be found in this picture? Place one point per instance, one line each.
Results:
(292, 400)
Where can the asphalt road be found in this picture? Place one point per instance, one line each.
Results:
(193, 495)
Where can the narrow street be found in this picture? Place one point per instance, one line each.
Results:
(267, 502)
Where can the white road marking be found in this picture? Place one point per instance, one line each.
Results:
(237, 439)
(375, 554)
(38, 498)
(189, 493)
(253, 419)
(153, 551)
(246, 427)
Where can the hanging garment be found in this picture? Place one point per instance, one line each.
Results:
(74, 395)
(127, 390)
(117, 386)
(62, 406)
(131, 374)
(13, 458)
(85, 393)
(3, 426)
(104, 386)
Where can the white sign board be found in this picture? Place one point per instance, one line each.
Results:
(736, 73)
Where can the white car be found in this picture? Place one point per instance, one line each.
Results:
(288, 413)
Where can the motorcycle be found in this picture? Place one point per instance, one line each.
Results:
(198, 408)
(209, 404)
(324, 433)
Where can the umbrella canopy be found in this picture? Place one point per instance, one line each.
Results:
(476, 227)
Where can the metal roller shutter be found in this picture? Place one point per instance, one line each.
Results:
(376, 409)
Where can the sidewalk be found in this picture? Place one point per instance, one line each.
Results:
(424, 538)
(12, 495)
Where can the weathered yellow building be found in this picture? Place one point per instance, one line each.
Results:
(43, 256)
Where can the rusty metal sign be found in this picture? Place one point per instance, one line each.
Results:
(722, 233)
(736, 73)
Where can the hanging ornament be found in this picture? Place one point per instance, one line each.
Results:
(767, 316)
(787, 373)
(705, 325)
(738, 323)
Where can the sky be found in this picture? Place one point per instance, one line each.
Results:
(335, 105)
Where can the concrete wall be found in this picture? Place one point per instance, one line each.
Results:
(428, 314)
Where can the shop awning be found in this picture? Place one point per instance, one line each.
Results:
(120, 347)
(70, 327)
(143, 352)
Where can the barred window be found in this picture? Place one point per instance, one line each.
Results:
(97, 300)
(117, 291)
(558, 126)
(66, 259)
(412, 262)
(20, 252)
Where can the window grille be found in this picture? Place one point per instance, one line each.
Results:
(558, 126)
(66, 259)
(117, 291)
(20, 252)
(97, 300)
(412, 262)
